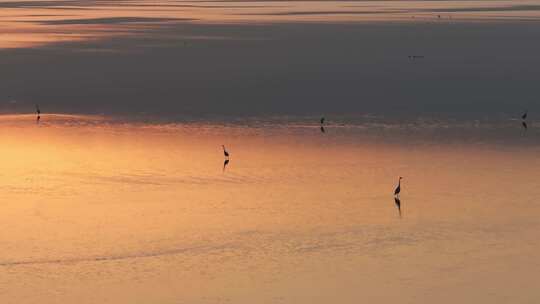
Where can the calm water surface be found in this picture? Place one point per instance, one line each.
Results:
(96, 210)
(30, 23)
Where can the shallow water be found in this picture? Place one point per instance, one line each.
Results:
(101, 210)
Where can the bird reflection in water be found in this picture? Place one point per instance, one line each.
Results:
(225, 163)
(398, 205)
(323, 130)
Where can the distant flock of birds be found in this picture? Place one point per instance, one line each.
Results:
(397, 190)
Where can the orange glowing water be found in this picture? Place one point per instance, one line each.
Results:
(101, 211)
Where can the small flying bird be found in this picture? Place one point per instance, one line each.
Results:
(322, 120)
(524, 124)
(398, 188)
(225, 163)
(524, 116)
(225, 152)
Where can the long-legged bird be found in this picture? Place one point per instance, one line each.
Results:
(225, 151)
(524, 119)
(398, 188)
(38, 112)
(322, 124)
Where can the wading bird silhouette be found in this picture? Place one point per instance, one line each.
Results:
(398, 188)
(225, 153)
(322, 125)
(524, 120)
(38, 112)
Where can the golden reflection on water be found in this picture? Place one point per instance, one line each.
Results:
(35, 23)
(97, 210)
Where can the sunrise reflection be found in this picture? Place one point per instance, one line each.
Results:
(269, 151)
(81, 192)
